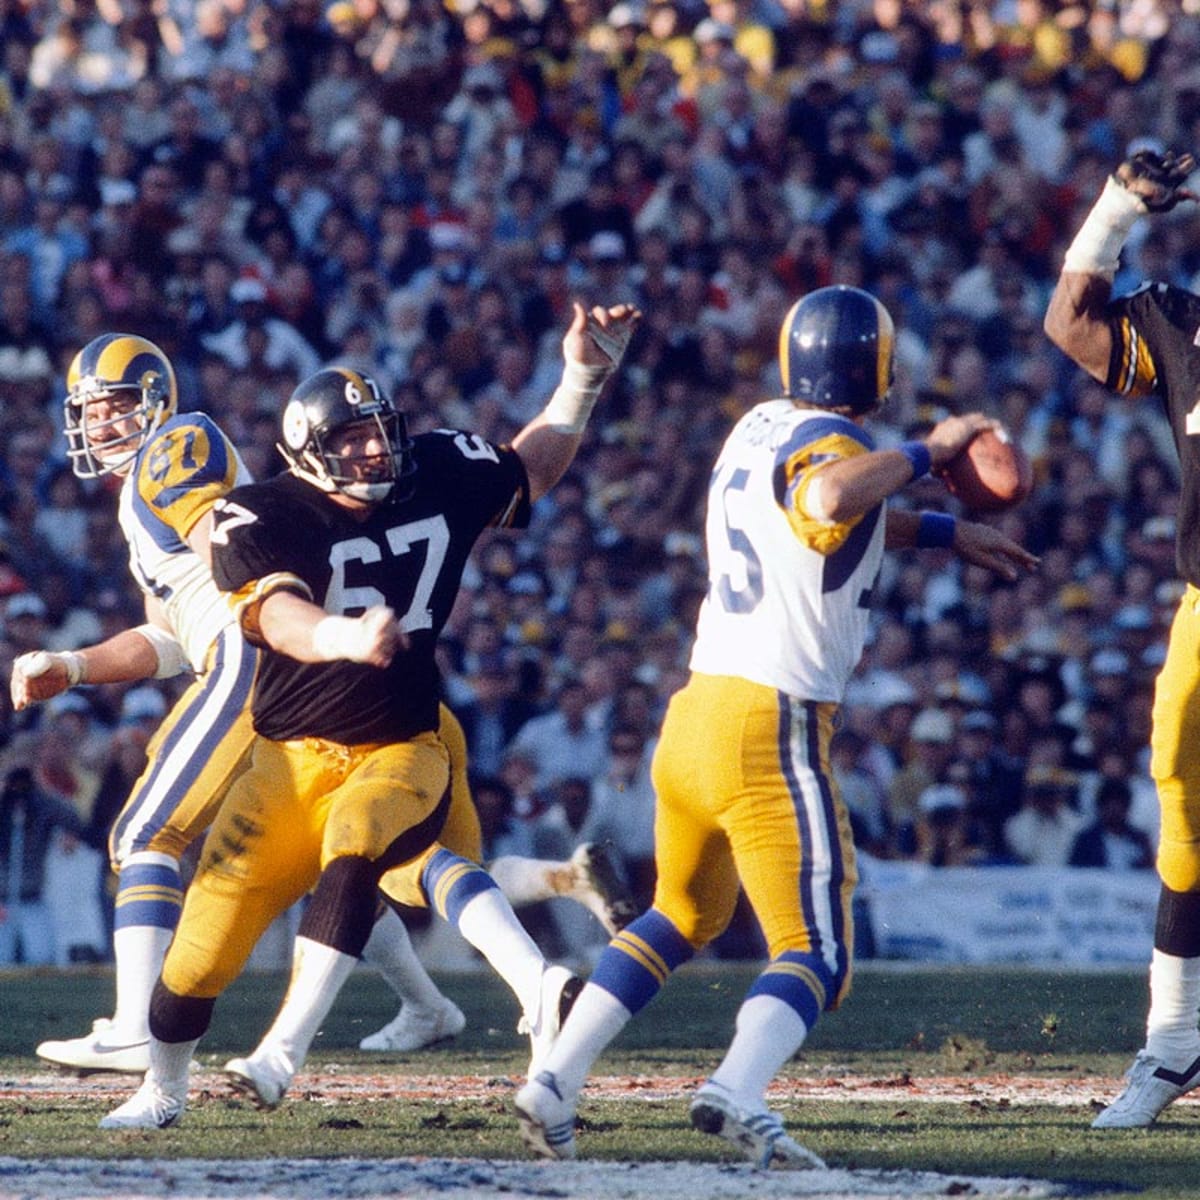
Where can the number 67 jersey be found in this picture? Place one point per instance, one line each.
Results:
(408, 553)
(788, 594)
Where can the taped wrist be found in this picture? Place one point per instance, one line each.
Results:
(1096, 248)
(575, 397)
(76, 666)
(335, 638)
(170, 655)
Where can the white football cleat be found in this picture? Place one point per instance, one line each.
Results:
(760, 1136)
(416, 1028)
(560, 987)
(598, 886)
(1150, 1085)
(104, 1049)
(547, 1120)
(150, 1107)
(259, 1080)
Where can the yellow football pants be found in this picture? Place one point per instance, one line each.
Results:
(1175, 749)
(745, 793)
(296, 807)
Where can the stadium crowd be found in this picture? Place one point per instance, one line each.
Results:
(419, 189)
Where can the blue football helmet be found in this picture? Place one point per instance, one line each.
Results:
(835, 350)
(135, 377)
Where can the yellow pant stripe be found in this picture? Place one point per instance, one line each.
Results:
(642, 953)
(150, 892)
(806, 974)
(447, 881)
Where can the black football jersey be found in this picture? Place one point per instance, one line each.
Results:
(408, 554)
(1156, 350)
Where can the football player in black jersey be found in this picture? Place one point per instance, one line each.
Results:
(1148, 344)
(344, 570)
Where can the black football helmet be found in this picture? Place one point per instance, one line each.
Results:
(115, 366)
(835, 350)
(318, 408)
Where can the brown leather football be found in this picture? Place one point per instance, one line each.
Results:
(993, 473)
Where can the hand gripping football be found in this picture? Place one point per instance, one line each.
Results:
(993, 473)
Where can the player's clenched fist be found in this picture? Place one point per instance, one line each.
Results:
(42, 674)
(372, 638)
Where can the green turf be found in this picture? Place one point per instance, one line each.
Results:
(920, 1022)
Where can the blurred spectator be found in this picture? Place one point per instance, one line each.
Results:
(930, 749)
(1110, 840)
(621, 811)
(943, 835)
(492, 715)
(1043, 831)
(29, 819)
(864, 798)
(68, 769)
(561, 742)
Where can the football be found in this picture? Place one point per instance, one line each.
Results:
(993, 473)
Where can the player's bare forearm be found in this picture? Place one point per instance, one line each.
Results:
(304, 631)
(43, 674)
(1076, 321)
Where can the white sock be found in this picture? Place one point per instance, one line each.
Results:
(768, 1033)
(528, 880)
(488, 922)
(318, 972)
(596, 1017)
(139, 951)
(1171, 1032)
(390, 951)
(169, 1062)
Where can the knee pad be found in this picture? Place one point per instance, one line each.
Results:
(342, 909)
(1177, 927)
(176, 1018)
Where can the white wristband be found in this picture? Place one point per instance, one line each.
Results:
(76, 666)
(335, 638)
(1096, 249)
(171, 658)
(575, 397)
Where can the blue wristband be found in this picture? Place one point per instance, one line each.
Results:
(935, 529)
(918, 455)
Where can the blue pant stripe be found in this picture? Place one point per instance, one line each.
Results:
(171, 776)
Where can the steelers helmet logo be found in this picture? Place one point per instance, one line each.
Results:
(295, 425)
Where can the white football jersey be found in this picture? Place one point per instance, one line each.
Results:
(788, 594)
(176, 478)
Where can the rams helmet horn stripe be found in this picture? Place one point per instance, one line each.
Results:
(108, 365)
(836, 348)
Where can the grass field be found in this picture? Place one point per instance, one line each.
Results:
(985, 1072)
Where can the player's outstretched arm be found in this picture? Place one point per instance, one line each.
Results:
(146, 652)
(851, 486)
(593, 347)
(1076, 320)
